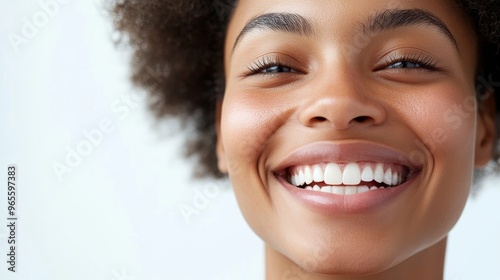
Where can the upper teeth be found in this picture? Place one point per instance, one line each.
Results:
(349, 174)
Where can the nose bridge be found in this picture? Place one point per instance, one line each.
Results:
(339, 98)
(338, 81)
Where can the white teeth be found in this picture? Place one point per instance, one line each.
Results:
(338, 190)
(318, 174)
(301, 179)
(326, 189)
(352, 174)
(373, 188)
(333, 174)
(378, 174)
(351, 190)
(367, 174)
(308, 175)
(394, 179)
(388, 177)
(363, 189)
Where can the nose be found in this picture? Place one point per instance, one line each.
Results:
(340, 103)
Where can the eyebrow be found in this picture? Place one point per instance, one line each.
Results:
(285, 22)
(384, 20)
(391, 19)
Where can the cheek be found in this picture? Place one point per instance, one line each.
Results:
(247, 127)
(244, 134)
(248, 123)
(447, 126)
(445, 129)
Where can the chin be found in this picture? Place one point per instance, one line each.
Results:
(344, 257)
(346, 267)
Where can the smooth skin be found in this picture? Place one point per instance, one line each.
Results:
(285, 90)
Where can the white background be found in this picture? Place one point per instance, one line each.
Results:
(116, 215)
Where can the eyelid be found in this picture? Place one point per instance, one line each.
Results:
(272, 59)
(428, 61)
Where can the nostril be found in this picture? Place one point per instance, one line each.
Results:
(319, 119)
(361, 119)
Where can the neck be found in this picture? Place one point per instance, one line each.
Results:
(427, 264)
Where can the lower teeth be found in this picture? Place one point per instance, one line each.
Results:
(343, 190)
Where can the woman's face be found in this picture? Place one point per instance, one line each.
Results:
(348, 128)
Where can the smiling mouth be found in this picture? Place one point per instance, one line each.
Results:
(348, 178)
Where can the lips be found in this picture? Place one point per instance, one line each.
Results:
(326, 173)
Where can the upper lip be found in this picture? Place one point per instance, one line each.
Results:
(321, 152)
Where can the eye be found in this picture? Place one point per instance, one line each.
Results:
(277, 69)
(269, 65)
(416, 62)
(404, 65)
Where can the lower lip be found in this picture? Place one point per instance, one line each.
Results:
(330, 204)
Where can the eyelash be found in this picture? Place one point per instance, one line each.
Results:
(426, 63)
(264, 63)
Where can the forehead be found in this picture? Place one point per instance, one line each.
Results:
(330, 10)
(340, 18)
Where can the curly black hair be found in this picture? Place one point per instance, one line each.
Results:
(187, 38)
